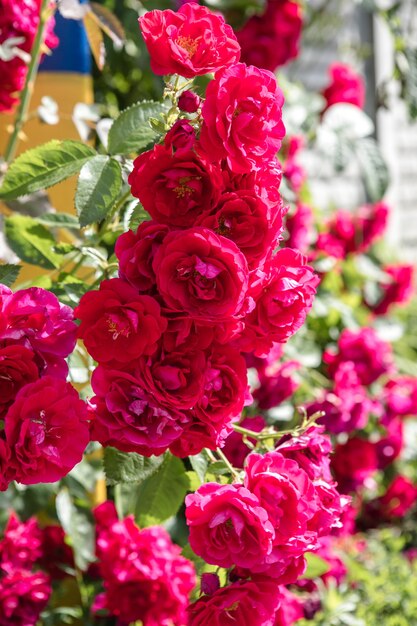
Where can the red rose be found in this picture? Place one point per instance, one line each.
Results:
(117, 324)
(201, 274)
(17, 368)
(398, 291)
(47, 432)
(242, 118)
(136, 252)
(245, 219)
(198, 435)
(247, 603)
(398, 499)
(353, 463)
(272, 39)
(228, 526)
(283, 298)
(129, 418)
(174, 188)
(189, 102)
(345, 86)
(191, 42)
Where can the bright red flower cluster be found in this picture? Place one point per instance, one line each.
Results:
(145, 578)
(199, 285)
(45, 423)
(345, 86)
(18, 23)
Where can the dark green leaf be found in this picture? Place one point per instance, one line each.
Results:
(31, 241)
(44, 166)
(58, 220)
(98, 188)
(129, 467)
(131, 132)
(137, 216)
(160, 496)
(9, 273)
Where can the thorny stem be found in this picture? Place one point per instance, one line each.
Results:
(273, 434)
(226, 461)
(26, 95)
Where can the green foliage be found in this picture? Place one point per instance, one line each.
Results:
(9, 273)
(129, 467)
(32, 242)
(98, 188)
(373, 167)
(44, 166)
(160, 496)
(77, 523)
(316, 566)
(132, 132)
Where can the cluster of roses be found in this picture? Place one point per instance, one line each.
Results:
(18, 24)
(263, 527)
(45, 424)
(30, 559)
(199, 285)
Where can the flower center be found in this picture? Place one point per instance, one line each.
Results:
(116, 330)
(224, 227)
(188, 44)
(182, 189)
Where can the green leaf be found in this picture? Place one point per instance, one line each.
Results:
(316, 566)
(131, 131)
(373, 168)
(136, 215)
(58, 220)
(9, 273)
(160, 496)
(411, 83)
(98, 188)
(31, 241)
(199, 463)
(78, 525)
(44, 166)
(129, 467)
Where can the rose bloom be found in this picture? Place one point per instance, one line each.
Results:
(353, 463)
(242, 117)
(272, 39)
(136, 251)
(390, 445)
(175, 188)
(201, 274)
(57, 556)
(284, 295)
(398, 291)
(245, 219)
(371, 356)
(400, 395)
(5, 475)
(19, 20)
(17, 368)
(299, 226)
(345, 86)
(399, 498)
(234, 448)
(247, 603)
(290, 610)
(145, 577)
(20, 547)
(189, 102)
(129, 418)
(228, 526)
(47, 431)
(191, 42)
(278, 386)
(23, 596)
(264, 182)
(36, 319)
(117, 324)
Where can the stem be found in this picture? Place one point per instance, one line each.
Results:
(226, 461)
(26, 95)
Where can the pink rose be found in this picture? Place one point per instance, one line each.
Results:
(242, 118)
(299, 227)
(191, 42)
(290, 610)
(272, 39)
(278, 386)
(399, 498)
(228, 526)
(23, 596)
(201, 274)
(234, 448)
(175, 188)
(245, 219)
(117, 324)
(248, 603)
(400, 396)
(398, 291)
(284, 295)
(371, 356)
(145, 578)
(345, 86)
(136, 251)
(391, 443)
(21, 545)
(129, 418)
(47, 432)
